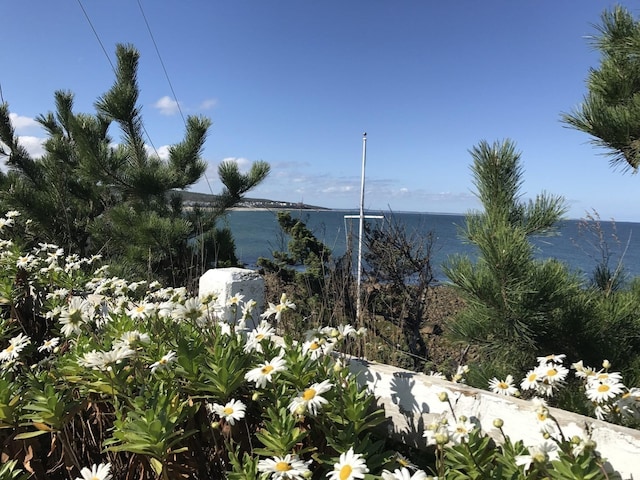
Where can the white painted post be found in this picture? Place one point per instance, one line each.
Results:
(229, 282)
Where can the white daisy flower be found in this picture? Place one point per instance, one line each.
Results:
(96, 472)
(553, 374)
(545, 422)
(103, 360)
(141, 310)
(403, 474)
(5, 222)
(163, 362)
(235, 300)
(25, 261)
(461, 371)
(551, 359)
(256, 336)
(629, 404)
(134, 337)
(349, 467)
(58, 293)
(548, 450)
(461, 430)
(247, 309)
(600, 392)
(503, 387)
(192, 309)
(317, 347)
(16, 345)
(310, 400)
(74, 315)
(581, 370)
(289, 467)
(262, 374)
(279, 309)
(49, 345)
(603, 376)
(232, 411)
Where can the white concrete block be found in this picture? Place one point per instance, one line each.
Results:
(229, 282)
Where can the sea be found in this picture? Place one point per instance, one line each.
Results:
(576, 242)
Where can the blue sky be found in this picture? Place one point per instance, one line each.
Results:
(296, 83)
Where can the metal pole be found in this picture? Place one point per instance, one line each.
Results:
(361, 228)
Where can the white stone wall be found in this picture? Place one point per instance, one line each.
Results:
(411, 401)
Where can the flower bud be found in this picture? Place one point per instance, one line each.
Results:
(255, 396)
(498, 423)
(215, 425)
(338, 366)
(443, 396)
(441, 437)
(606, 364)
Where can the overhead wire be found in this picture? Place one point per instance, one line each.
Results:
(86, 15)
(104, 50)
(166, 74)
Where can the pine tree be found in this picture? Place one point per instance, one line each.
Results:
(89, 196)
(517, 306)
(610, 112)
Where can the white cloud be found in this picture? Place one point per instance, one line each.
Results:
(162, 152)
(244, 164)
(167, 106)
(338, 189)
(208, 104)
(22, 124)
(33, 145)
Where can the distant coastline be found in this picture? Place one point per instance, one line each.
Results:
(257, 204)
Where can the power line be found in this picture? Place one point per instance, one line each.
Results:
(96, 34)
(166, 74)
(104, 50)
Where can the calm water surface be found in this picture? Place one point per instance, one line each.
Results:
(257, 235)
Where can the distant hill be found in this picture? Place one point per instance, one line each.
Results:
(204, 198)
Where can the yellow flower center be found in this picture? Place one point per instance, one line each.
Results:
(228, 410)
(267, 369)
(140, 308)
(603, 388)
(542, 417)
(532, 377)
(345, 472)
(503, 386)
(602, 376)
(314, 346)
(9, 349)
(282, 467)
(259, 336)
(308, 394)
(552, 372)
